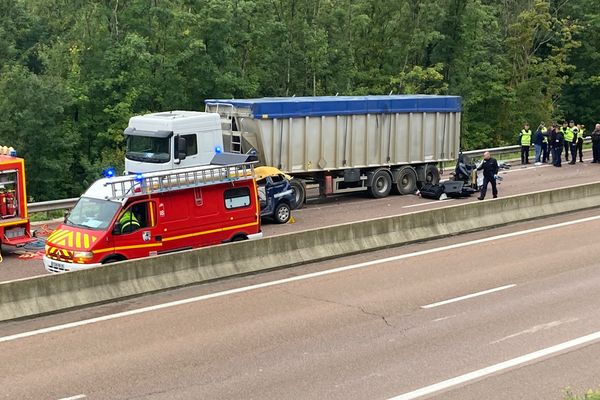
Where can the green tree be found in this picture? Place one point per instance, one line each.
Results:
(33, 110)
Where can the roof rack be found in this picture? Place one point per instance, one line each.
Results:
(166, 181)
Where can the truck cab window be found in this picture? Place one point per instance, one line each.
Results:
(237, 198)
(148, 149)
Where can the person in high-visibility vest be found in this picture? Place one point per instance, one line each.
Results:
(566, 144)
(571, 137)
(525, 140)
(128, 222)
(580, 132)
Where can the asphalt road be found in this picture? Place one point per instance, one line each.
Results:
(390, 329)
(19, 263)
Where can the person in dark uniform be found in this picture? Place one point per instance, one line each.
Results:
(596, 144)
(557, 140)
(489, 166)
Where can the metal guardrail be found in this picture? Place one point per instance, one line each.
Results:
(506, 149)
(52, 205)
(70, 203)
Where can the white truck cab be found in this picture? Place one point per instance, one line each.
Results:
(172, 139)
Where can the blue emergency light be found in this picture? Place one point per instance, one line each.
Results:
(218, 150)
(109, 172)
(139, 177)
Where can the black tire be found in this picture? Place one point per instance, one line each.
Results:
(381, 185)
(432, 175)
(299, 192)
(282, 213)
(406, 181)
(239, 238)
(113, 259)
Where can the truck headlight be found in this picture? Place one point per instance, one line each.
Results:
(83, 255)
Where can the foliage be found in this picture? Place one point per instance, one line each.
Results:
(73, 72)
(589, 395)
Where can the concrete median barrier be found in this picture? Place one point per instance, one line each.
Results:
(46, 294)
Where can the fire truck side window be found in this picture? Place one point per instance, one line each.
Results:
(135, 217)
(237, 198)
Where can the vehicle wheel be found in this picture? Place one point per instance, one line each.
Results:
(282, 213)
(381, 185)
(432, 175)
(239, 238)
(406, 182)
(299, 191)
(113, 259)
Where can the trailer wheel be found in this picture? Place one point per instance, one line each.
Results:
(406, 182)
(282, 213)
(432, 175)
(299, 191)
(381, 185)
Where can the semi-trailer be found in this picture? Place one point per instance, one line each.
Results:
(378, 144)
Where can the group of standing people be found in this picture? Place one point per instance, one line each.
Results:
(546, 142)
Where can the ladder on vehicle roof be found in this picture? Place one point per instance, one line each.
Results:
(165, 181)
(227, 111)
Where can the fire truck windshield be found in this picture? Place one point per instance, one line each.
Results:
(148, 149)
(93, 213)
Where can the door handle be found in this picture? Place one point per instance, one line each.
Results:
(158, 238)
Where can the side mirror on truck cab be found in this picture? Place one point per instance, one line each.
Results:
(180, 149)
(66, 216)
(117, 228)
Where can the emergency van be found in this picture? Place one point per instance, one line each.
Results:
(125, 217)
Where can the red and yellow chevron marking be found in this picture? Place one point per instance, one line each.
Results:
(71, 239)
(58, 254)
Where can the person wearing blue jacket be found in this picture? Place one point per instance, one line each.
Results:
(538, 141)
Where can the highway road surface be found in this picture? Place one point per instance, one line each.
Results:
(510, 313)
(340, 209)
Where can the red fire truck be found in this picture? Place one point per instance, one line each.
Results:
(135, 216)
(14, 221)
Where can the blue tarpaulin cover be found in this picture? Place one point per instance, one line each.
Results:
(291, 107)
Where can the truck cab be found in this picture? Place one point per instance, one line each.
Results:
(169, 140)
(142, 215)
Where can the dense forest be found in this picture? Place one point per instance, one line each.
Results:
(72, 72)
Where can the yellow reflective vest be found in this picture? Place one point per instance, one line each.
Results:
(128, 222)
(544, 130)
(525, 137)
(569, 135)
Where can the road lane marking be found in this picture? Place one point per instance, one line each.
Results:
(469, 296)
(79, 396)
(537, 328)
(289, 280)
(534, 167)
(424, 204)
(480, 373)
(443, 318)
